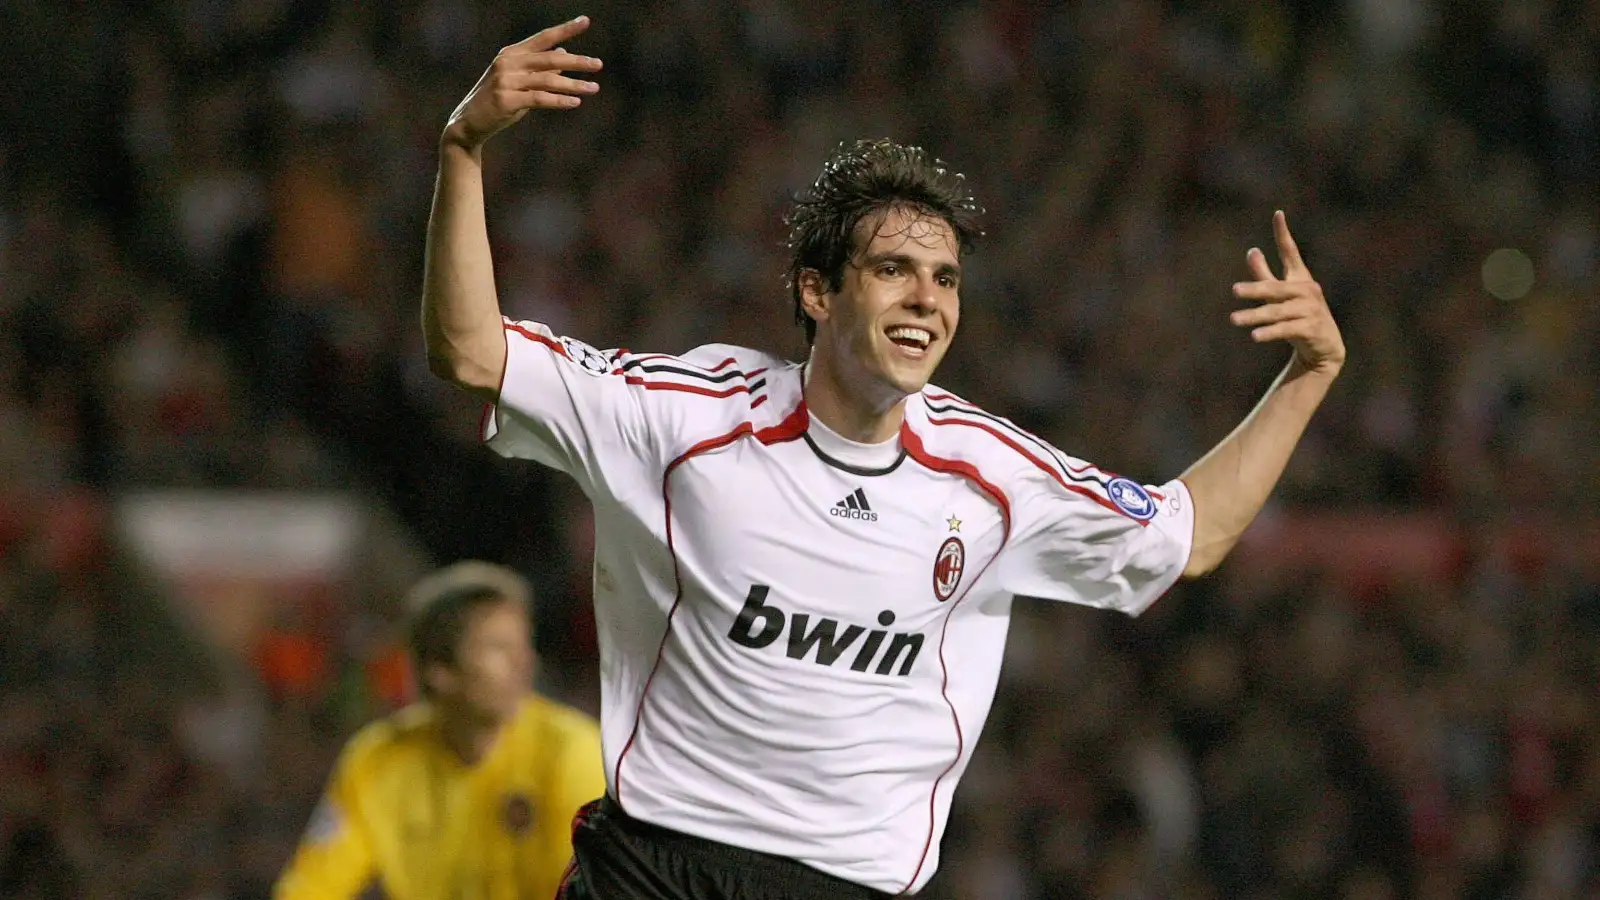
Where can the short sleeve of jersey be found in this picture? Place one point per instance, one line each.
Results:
(335, 855)
(565, 404)
(601, 415)
(1110, 543)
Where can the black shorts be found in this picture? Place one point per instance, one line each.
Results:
(617, 857)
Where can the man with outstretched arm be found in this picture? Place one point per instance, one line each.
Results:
(804, 572)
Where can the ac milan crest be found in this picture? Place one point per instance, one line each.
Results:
(947, 567)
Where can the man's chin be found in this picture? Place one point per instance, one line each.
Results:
(909, 386)
(909, 380)
(892, 380)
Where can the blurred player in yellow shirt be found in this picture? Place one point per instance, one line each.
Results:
(470, 793)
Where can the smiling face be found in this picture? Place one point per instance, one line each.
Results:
(884, 329)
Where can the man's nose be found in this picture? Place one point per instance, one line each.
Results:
(923, 297)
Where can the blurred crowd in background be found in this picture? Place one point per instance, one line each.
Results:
(211, 223)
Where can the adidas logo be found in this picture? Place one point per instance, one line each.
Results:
(854, 506)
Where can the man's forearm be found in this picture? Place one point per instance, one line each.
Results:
(1230, 484)
(460, 309)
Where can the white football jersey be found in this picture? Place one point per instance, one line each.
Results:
(800, 636)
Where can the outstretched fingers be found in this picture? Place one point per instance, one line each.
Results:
(1293, 266)
(1267, 291)
(1271, 312)
(528, 75)
(1287, 330)
(1257, 261)
(555, 35)
(549, 81)
(562, 61)
(1291, 309)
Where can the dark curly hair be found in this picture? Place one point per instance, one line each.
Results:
(862, 179)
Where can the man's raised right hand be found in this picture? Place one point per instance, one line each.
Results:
(526, 75)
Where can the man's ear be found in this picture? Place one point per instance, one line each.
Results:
(814, 294)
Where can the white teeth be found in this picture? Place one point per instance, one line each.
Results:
(922, 336)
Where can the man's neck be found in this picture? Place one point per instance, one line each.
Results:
(470, 736)
(851, 414)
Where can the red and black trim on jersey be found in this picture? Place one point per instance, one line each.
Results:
(841, 465)
(646, 362)
(658, 371)
(1086, 480)
(917, 451)
(791, 428)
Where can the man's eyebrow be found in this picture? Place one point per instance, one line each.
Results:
(901, 259)
(875, 259)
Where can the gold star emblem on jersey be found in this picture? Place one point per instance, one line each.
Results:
(954, 523)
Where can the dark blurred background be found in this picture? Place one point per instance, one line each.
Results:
(223, 458)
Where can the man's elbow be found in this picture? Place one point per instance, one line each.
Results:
(1203, 561)
(471, 375)
(446, 366)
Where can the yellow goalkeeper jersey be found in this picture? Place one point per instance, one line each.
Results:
(404, 811)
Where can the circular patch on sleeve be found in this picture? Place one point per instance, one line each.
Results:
(593, 361)
(1131, 497)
